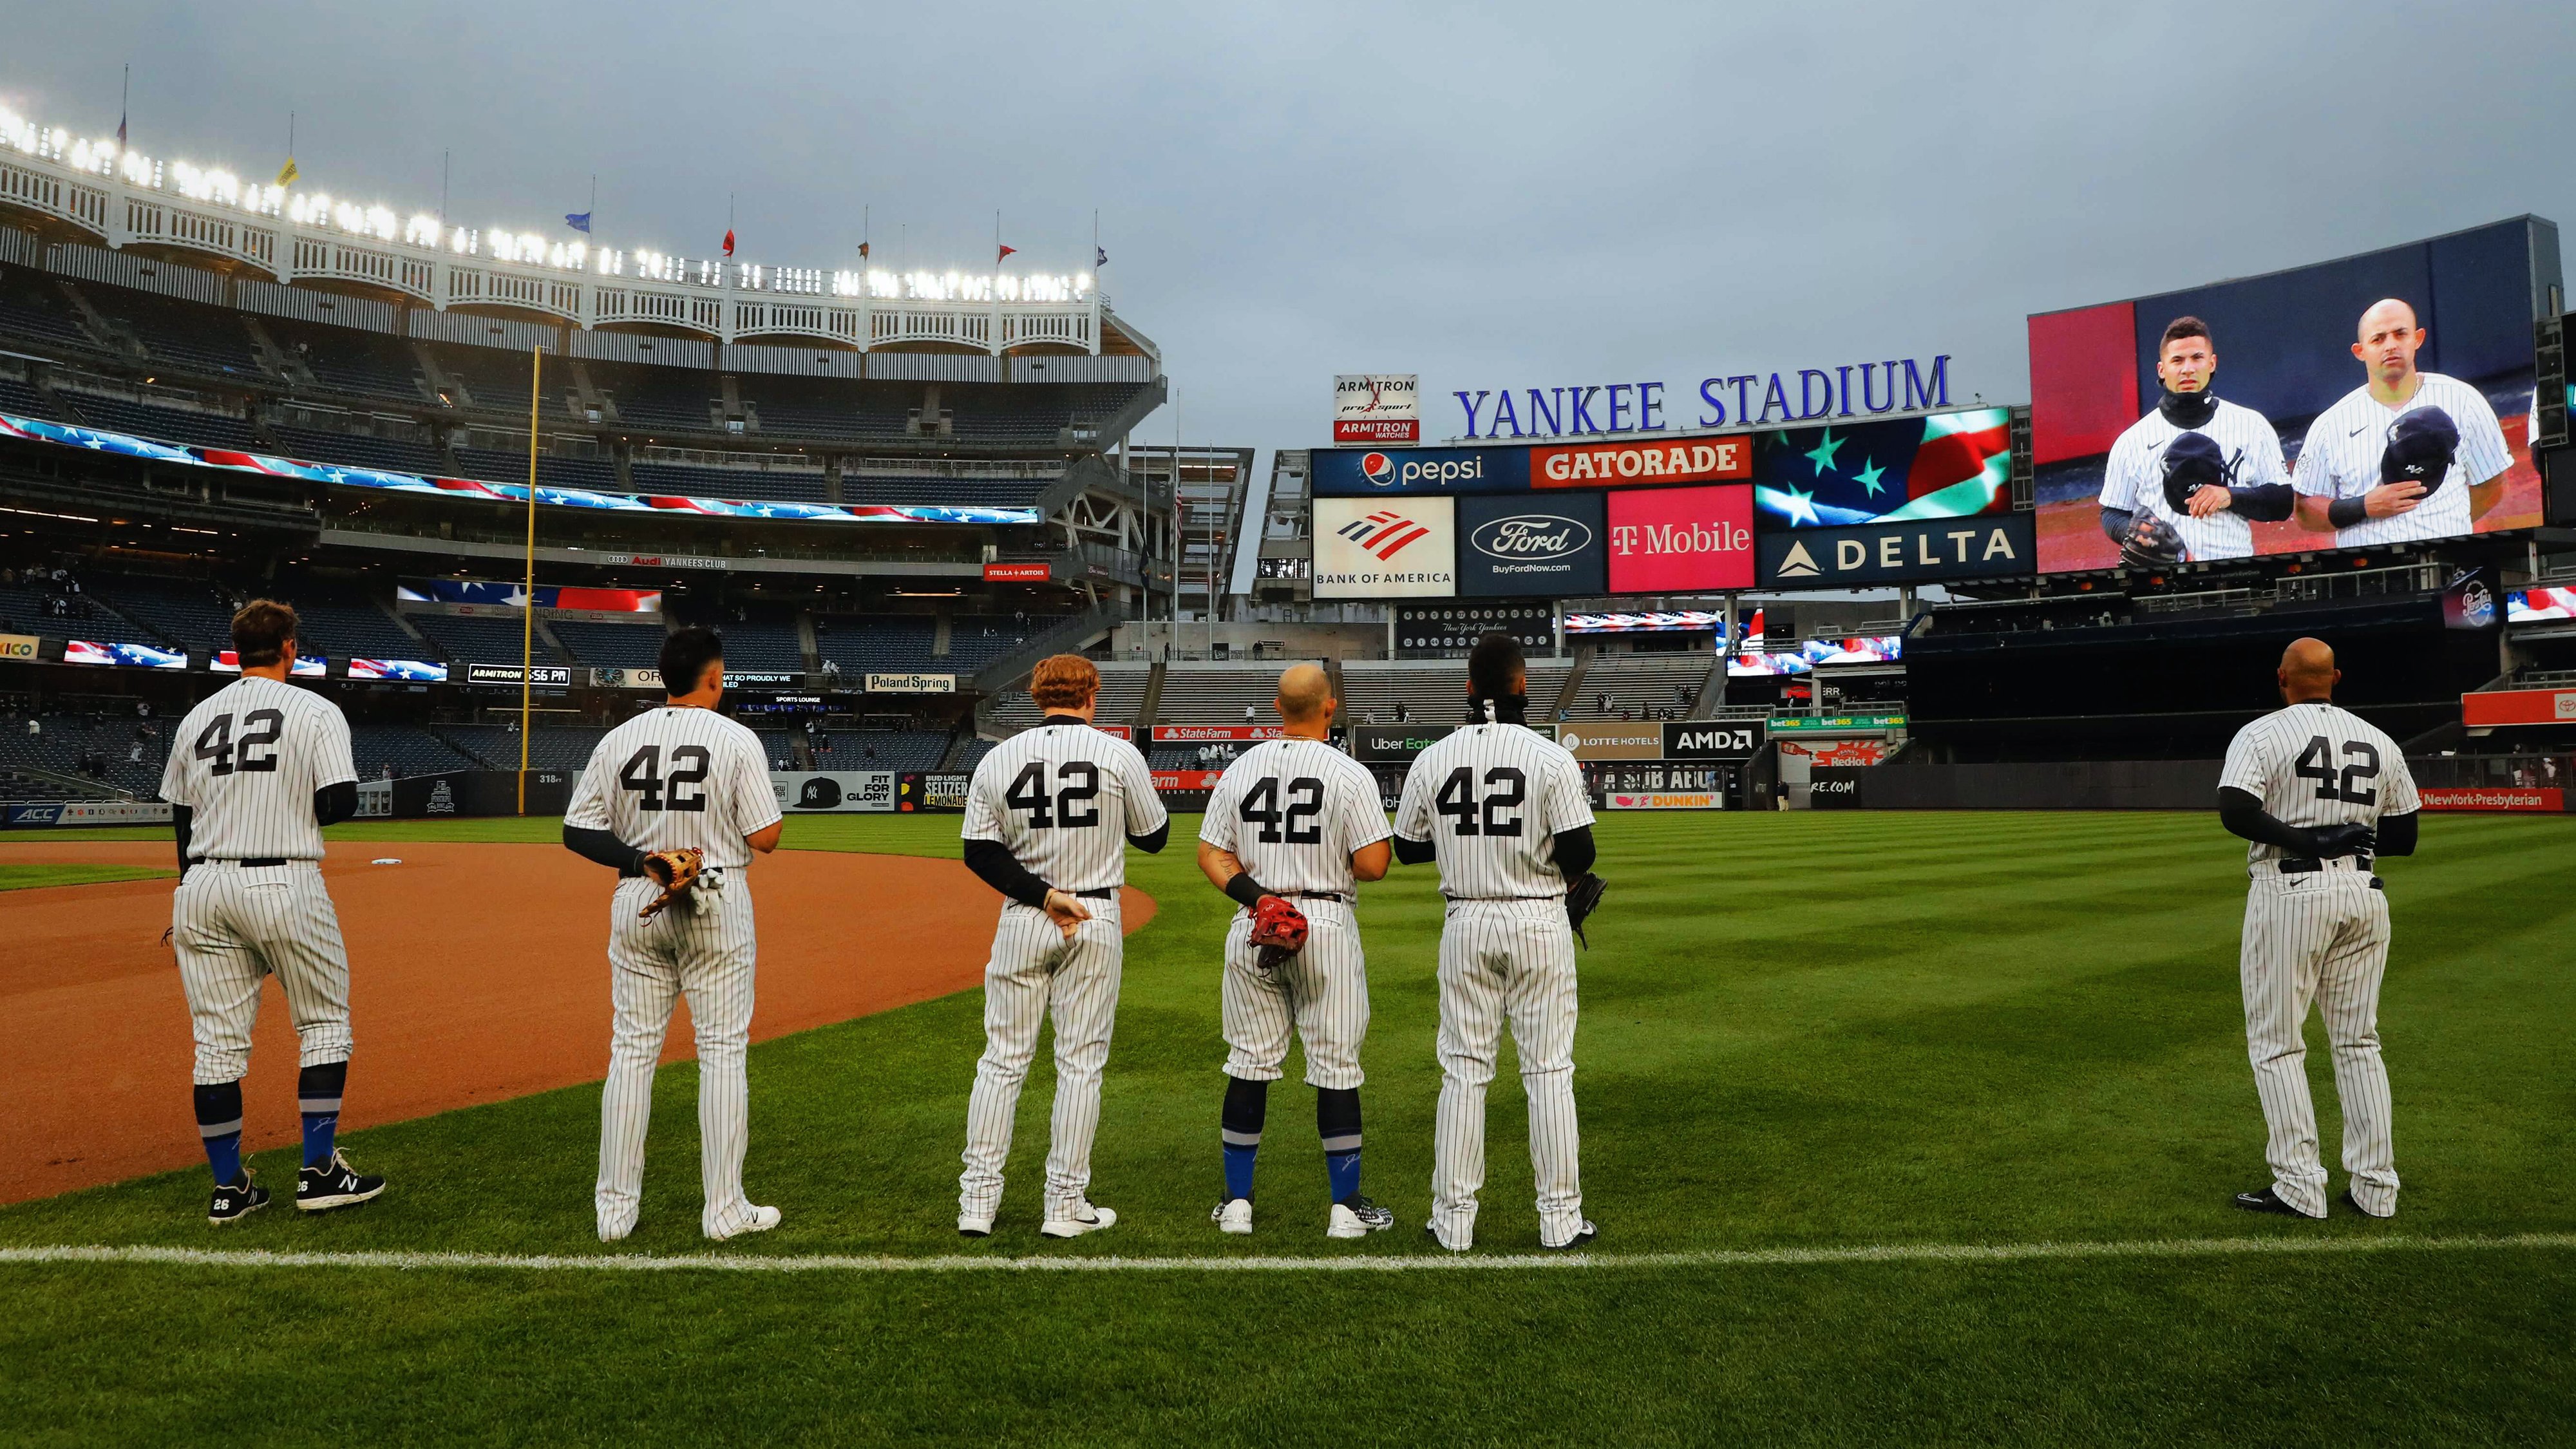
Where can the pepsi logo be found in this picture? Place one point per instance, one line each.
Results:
(1378, 468)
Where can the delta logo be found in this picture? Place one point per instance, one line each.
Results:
(1384, 533)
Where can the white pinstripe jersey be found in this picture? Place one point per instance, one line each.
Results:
(2340, 458)
(2134, 477)
(1293, 810)
(1493, 797)
(678, 778)
(247, 760)
(1064, 798)
(2313, 764)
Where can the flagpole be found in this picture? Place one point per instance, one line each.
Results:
(124, 104)
(528, 612)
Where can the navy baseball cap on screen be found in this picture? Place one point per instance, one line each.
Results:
(2420, 448)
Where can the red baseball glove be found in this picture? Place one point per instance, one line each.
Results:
(1278, 922)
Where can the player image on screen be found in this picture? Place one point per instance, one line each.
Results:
(2189, 480)
(2407, 454)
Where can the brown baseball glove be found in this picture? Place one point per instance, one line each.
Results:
(674, 871)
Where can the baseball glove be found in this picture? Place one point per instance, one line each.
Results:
(1582, 898)
(2152, 543)
(1279, 929)
(674, 871)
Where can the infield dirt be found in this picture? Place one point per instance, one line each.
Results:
(478, 973)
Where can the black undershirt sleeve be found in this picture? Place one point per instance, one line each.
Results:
(1575, 851)
(1153, 841)
(2269, 503)
(2115, 524)
(181, 819)
(605, 848)
(994, 864)
(2245, 816)
(2346, 512)
(2397, 834)
(335, 803)
(1412, 852)
(1244, 890)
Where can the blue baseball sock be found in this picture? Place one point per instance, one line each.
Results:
(317, 1093)
(219, 1123)
(1337, 1118)
(1246, 1104)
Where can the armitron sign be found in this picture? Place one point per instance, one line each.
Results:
(1377, 407)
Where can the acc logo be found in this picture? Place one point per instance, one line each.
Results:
(1378, 468)
(1531, 535)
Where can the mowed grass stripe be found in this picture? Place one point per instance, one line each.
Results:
(1894, 1253)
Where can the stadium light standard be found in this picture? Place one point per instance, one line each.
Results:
(528, 607)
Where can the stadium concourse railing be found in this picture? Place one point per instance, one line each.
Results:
(1070, 637)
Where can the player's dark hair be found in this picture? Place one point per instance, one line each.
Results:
(260, 631)
(686, 653)
(1494, 666)
(2182, 327)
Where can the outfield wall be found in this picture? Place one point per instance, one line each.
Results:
(2068, 785)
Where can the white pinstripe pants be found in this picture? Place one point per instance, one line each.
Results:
(1035, 971)
(1322, 992)
(1506, 961)
(230, 925)
(709, 956)
(2321, 937)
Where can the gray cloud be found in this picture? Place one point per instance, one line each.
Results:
(1489, 195)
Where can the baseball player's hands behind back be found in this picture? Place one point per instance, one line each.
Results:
(1066, 910)
(2339, 840)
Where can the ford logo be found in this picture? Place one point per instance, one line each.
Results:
(1531, 536)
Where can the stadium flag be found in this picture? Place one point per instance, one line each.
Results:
(578, 220)
(1005, 251)
(863, 251)
(287, 174)
(728, 241)
(1099, 255)
(120, 133)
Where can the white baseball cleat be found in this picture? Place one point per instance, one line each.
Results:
(1084, 1218)
(1234, 1215)
(1357, 1219)
(757, 1220)
(971, 1226)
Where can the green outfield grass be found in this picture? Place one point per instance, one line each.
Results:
(27, 877)
(1808, 1031)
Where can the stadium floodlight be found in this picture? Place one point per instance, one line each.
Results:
(421, 231)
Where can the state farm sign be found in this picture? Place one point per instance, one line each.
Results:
(1681, 540)
(1592, 466)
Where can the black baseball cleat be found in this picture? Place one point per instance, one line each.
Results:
(2265, 1200)
(2346, 1198)
(234, 1201)
(1582, 1235)
(334, 1185)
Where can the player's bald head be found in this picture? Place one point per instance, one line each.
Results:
(2385, 315)
(2308, 670)
(1305, 691)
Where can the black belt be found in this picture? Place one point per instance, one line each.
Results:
(1099, 895)
(1453, 900)
(1335, 896)
(253, 863)
(2309, 865)
(631, 873)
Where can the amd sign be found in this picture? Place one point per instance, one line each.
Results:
(1705, 740)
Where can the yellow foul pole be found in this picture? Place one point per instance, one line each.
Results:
(528, 614)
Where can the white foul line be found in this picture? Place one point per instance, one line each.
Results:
(1971, 1253)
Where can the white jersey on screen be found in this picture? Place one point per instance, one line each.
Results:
(1064, 798)
(246, 762)
(2134, 478)
(2340, 459)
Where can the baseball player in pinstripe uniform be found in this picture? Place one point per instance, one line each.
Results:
(256, 770)
(2319, 792)
(1049, 817)
(2407, 454)
(1504, 811)
(2211, 490)
(673, 780)
(1291, 829)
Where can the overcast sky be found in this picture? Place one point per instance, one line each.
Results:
(1490, 195)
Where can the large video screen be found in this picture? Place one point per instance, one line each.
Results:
(2378, 399)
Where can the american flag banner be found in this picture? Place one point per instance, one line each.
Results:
(1946, 465)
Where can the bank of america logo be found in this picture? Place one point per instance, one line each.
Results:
(1384, 533)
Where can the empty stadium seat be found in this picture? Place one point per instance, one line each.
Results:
(478, 640)
(795, 485)
(611, 646)
(33, 310)
(163, 424)
(191, 335)
(887, 643)
(394, 455)
(350, 360)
